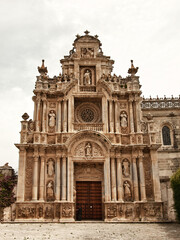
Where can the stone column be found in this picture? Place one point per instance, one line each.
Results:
(34, 114)
(113, 179)
(35, 179)
(64, 178)
(59, 117)
(42, 175)
(142, 179)
(119, 180)
(111, 116)
(131, 116)
(155, 175)
(58, 167)
(44, 116)
(117, 122)
(138, 110)
(65, 116)
(107, 180)
(38, 115)
(70, 114)
(105, 115)
(21, 175)
(135, 179)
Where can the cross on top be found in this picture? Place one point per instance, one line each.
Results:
(86, 32)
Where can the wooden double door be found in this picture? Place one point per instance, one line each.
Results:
(89, 200)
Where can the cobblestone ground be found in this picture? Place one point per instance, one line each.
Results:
(87, 231)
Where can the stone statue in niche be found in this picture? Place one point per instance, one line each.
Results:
(50, 191)
(127, 191)
(126, 168)
(123, 119)
(88, 150)
(52, 118)
(87, 77)
(50, 168)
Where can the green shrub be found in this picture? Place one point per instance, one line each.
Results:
(175, 184)
(7, 184)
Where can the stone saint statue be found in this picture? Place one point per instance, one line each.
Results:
(50, 168)
(88, 149)
(123, 119)
(52, 119)
(87, 78)
(50, 191)
(127, 191)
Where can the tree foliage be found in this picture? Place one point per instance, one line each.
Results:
(175, 184)
(7, 184)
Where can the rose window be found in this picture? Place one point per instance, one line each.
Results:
(87, 115)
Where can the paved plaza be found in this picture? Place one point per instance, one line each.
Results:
(88, 231)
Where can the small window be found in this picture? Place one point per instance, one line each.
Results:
(166, 135)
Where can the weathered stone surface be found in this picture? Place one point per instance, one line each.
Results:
(92, 126)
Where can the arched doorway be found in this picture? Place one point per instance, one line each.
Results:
(88, 153)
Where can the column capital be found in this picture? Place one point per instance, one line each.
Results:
(134, 158)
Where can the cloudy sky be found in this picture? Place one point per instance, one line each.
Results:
(145, 31)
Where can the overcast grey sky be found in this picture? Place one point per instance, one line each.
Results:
(145, 31)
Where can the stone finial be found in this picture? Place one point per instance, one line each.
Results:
(25, 116)
(77, 36)
(96, 36)
(132, 70)
(86, 32)
(42, 70)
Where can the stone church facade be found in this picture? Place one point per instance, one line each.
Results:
(95, 147)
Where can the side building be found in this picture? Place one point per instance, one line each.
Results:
(95, 148)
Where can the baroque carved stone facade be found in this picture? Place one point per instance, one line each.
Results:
(94, 144)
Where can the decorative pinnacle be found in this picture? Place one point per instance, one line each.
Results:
(42, 70)
(25, 116)
(77, 36)
(86, 32)
(96, 36)
(132, 70)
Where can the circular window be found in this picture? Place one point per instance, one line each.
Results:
(87, 113)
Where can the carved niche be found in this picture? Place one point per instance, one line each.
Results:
(127, 191)
(126, 168)
(50, 167)
(50, 191)
(87, 76)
